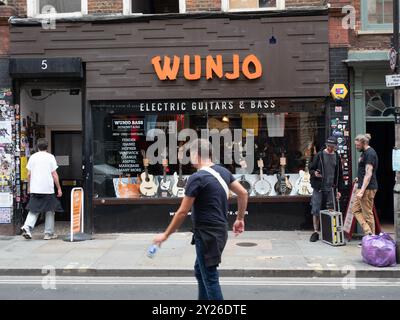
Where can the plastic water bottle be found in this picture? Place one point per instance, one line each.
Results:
(151, 252)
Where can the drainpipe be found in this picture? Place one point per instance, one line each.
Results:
(396, 190)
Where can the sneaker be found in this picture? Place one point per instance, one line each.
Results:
(26, 233)
(314, 237)
(50, 236)
(359, 245)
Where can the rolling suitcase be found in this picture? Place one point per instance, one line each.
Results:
(332, 225)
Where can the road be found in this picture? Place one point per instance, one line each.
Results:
(83, 288)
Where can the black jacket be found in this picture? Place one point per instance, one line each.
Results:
(318, 164)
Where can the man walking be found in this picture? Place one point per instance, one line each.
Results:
(206, 194)
(42, 176)
(326, 176)
(367, 184)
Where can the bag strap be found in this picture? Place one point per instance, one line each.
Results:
(219, 178)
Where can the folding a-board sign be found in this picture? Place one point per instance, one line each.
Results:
(350, 221)
(77, 219)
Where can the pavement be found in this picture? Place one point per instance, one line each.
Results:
(252, 254)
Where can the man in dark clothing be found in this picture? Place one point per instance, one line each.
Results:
(326, 176)
(207, 193)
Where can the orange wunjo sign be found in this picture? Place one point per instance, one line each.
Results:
(167, 68)
(76, 210)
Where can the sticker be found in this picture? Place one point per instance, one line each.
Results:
(338, 109)
(346, 118)
(346, 133)
(5, 215)
(6, 200)
(337, 133)
(5, 132)
(396, 160)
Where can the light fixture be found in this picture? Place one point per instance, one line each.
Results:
(225, 119)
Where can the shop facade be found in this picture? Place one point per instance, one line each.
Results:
(268, 72)
(374, 112)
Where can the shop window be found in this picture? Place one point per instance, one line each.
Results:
(377, 14)
(244, 5)
(61, 8)
(379, 103)
(153, 6)
(284, 141)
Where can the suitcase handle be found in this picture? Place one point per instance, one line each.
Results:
(334, 193)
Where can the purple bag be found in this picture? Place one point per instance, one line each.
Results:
(379, 251)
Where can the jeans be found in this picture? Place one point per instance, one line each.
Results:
(49, 224)
(207, 277)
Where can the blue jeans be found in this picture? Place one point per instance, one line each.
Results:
(207, 277)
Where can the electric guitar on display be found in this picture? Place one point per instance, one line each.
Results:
(164, 188)
(245, 184)
(262, 187)
(283, 185)
(303, 183)
(148, 186)
(178, 188)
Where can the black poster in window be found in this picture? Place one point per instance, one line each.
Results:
(128, 136)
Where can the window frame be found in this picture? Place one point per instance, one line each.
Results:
(280, 5)
(127, 7)
(33, 10)
(367, 26)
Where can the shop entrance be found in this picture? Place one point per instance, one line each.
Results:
(67, 148)
(383, 142)
(54, 111)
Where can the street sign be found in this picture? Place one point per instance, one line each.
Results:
(339, 91)
(393, 80)
(393, 59)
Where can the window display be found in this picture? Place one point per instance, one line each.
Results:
(275, 165)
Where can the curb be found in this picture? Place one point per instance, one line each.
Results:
(256, 273)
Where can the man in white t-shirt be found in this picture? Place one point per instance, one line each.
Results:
(42, 176)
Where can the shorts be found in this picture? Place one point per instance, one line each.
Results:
(321, 200)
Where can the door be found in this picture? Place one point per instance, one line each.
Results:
(67, 148)
(383, 142)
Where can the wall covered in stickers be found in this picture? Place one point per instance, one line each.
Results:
(8, 159)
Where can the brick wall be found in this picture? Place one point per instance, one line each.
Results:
(302, 3)
(203, 5)
(105, 6)
(366, 41)
(5, 40)
(19, 5)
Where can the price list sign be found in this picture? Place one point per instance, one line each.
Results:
(130, 133)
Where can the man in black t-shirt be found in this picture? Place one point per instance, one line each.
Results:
(206, 194)
(367, 184)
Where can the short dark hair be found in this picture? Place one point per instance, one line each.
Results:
(42, 144)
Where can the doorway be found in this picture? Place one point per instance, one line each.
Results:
(67, 148)
(383, 141)
(53, 110)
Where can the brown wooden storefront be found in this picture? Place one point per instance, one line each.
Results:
(117, 74)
